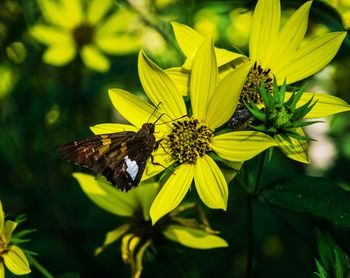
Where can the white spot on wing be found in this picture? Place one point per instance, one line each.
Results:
(131, 167)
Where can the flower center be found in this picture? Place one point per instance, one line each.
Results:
(250, 89)
(83, 34)
(189, 139)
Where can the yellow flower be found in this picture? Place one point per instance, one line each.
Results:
(188, 138)
(11, 256)
(280, 53)
(73, 29)
(138, 233)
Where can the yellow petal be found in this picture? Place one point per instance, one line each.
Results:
(181, 79)
(97, 9)
(210, 183)
(160, 88)
(117, 22)
(145, 194)
(193, 238)
(173, 191)
(10, 226)
(59, 54)
(118, 44)
(138, 264)
(2, 218)
(112, 128)
(290, 37)
(112, 236)
(295, 149)
(50, 35)
(309, 58)
(132, 108)
(224, 101)
(94, 59)
(52, 12)
(189, 41)
(2, 270)
(106, 196)
(129, 243)
(241, 145)
(16, 261)
(326, 105)
(204, 77)
(265, 27)
(72, 11)
(161, 159)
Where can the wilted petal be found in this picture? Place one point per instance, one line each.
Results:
(112, 236)
(210, 183)
(16, 261)
(172, 192)
(241, 145)
(94, 59)
(106, 196)
(10, 226)
(193, 238)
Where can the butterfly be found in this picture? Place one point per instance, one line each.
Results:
(120, 157)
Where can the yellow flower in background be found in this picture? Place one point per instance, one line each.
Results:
(82, 27)
(11, 256)
(138, 233)
(280, 53)
(188, 138)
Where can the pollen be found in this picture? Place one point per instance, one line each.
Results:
(189, 139)
(83, 34)
(251, 87)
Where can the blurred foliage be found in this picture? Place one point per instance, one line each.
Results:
(42, 107)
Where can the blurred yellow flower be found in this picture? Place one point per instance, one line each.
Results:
(11, 256)
(138, 233)
(82, 27)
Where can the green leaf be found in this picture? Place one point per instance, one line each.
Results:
(332, 258)
(311, 195)
(322, 273)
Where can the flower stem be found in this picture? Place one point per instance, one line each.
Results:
(39, 267)
(250, 238)
(251, 215)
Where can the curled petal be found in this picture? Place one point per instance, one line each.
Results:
(194, 238)
(16, 261)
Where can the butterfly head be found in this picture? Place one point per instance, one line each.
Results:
(148, 128)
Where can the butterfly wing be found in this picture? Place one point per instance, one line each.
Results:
(120, 157)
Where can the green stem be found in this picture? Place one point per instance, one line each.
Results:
(260, 172)
(39, 267)
(250, 238)
(250, 215)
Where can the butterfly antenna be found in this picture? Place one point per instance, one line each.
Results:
(154, 111)
(172, 120)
